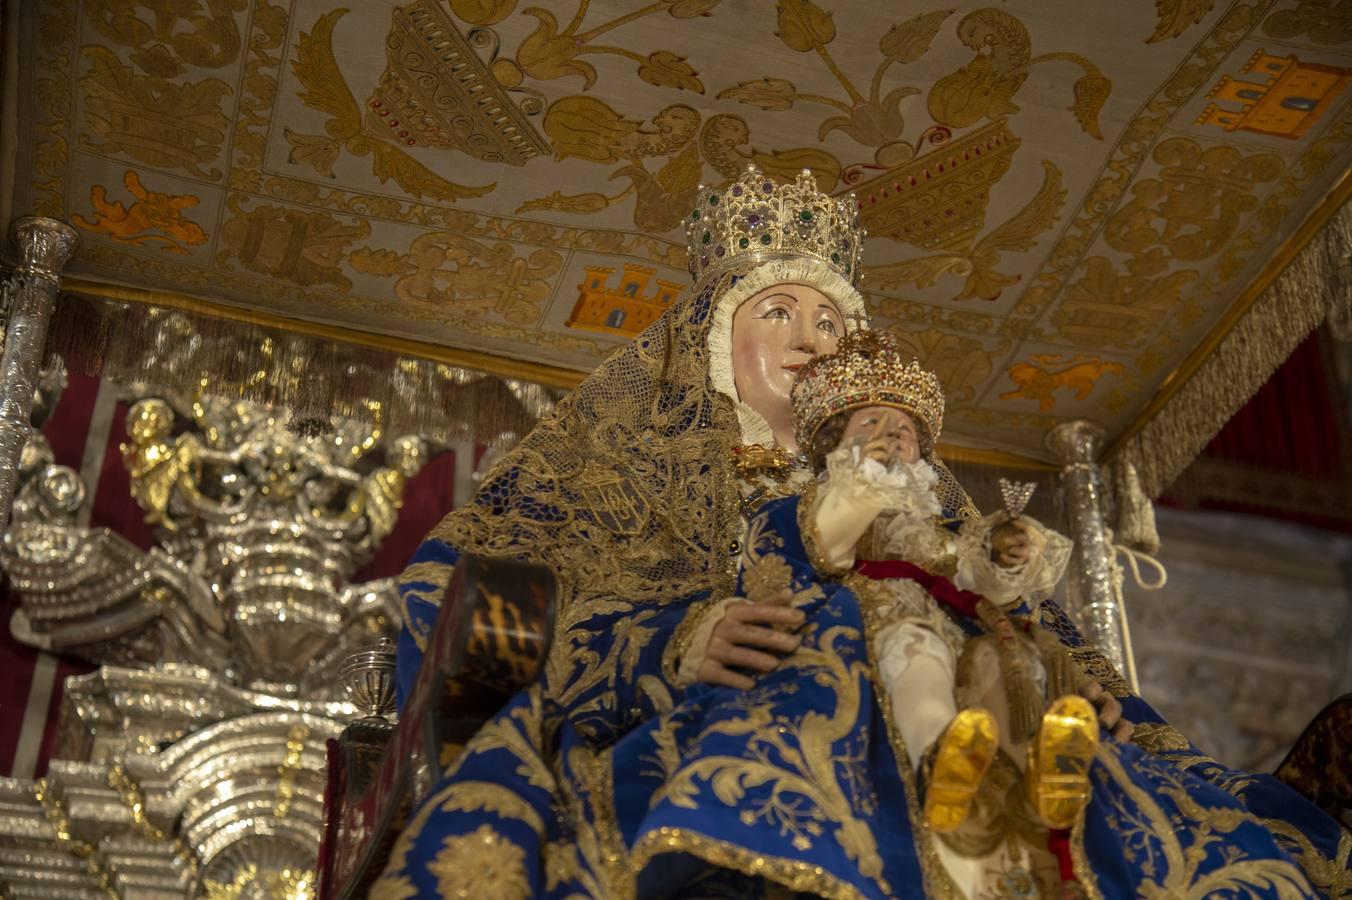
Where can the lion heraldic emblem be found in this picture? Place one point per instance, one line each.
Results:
(1054, 372)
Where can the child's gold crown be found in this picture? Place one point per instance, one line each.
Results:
(867, 369)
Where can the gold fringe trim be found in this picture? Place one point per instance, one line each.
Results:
(180, 354)
(1079, 859)
(489, 363)
(1241, 354)
(539, 375)
(791, 873)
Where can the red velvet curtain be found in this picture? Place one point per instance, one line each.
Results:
(1293, 423)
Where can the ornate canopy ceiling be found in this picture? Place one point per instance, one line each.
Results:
(1066, 199)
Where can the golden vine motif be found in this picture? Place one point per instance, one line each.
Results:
(808, 768)
(1177, 16)
(985, 87)
(551, 52)
(587, 128)
(1154, 837)
(874, 120)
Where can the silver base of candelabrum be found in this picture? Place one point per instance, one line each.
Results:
(192, 762)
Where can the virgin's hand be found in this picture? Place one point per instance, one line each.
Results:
(1109, 712)
(1012, 544)
(749, 637)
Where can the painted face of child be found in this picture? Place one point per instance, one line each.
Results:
(884, 433)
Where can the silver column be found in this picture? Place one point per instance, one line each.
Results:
(44, 245)
(1094, 601)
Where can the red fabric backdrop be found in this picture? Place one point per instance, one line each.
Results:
(1295, 426)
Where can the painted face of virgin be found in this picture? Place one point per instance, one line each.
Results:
(773, 334)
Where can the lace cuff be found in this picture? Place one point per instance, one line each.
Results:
(856, 489)
(923, 542)
(695, 647)
(680, 639)
(1050, 553)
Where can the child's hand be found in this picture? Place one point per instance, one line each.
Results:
(881, 450)
(1109, 712)
(1013, 544)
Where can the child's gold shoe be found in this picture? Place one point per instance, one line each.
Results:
(960, 760)
(1057, 776)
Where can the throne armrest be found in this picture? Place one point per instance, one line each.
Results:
(1317, 766)
(490, 641)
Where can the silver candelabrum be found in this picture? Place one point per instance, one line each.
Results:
(192, 761)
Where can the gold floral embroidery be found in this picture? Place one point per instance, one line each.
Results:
(596, 772)
(595, 855)
(391, 887)
(1332, 875)
(1157, 737)
(502, 801)
(765, 573)
(657, 692)
(438, 576)
(481, 864)
(1171, 869)
(520, 735)
(791, 873)
(808, 770)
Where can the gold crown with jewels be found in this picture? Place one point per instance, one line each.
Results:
(868, 368)
(754, 219)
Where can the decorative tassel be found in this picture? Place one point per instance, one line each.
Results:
(1063, 676)
(1135, 513)
(313, 382)
(1021, 693)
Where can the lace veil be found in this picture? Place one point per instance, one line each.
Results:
(626, 489)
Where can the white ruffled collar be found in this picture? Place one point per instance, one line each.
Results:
(790, 270)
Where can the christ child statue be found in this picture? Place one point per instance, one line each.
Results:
(964, 673)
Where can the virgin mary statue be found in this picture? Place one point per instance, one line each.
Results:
(621, 773)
